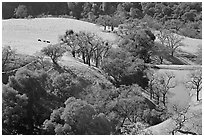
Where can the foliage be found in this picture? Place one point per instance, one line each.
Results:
(128, 105)
(152, 117)
(161, 85)
(104, 20)
(136, 129)
(155, 14)
(139, 42)
(54, 52)
(78, 117)
(32, 85)
(185, 121)
(87, 45)
(21, 11)
(64, 86)
(195, 82)
(14, 112)
(170, 40)
(124, 68)
(8, 55)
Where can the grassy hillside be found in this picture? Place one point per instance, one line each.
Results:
(23, 34)
(190, 45)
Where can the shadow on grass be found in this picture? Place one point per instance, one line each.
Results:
(174, 60)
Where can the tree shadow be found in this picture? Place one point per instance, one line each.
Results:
(174, 60)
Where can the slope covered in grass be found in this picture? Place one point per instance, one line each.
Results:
(191, 45)
(23, 34)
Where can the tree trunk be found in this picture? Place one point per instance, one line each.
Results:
(157, 100)
(161, 59)
(89, 62)
(112, 28)
(54, 63)
(164, 99)
(83, 57)
(172, 132)
(172, 53)
(151, 94)
(104, 27)
(73, 53)
(197, 95)
(97, 62)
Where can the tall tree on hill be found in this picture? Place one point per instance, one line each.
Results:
(139, 43)
(170, 40)
(55, 52)
(70, 38)
(196, 82)
(91, 47)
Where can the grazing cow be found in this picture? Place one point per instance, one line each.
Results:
(44, 40)
(48, 41)
(39, 39)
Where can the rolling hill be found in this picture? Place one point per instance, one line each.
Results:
(23, 35)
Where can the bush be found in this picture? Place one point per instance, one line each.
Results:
(192, 33)
(55, 52)
(21, 11)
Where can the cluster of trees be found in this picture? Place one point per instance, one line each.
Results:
(39, 100)
(47, 98)
(159, 86)
(184, 18)
(170, 40)
(87, 45)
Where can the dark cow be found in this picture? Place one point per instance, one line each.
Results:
(48, 41)
(39, 39)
